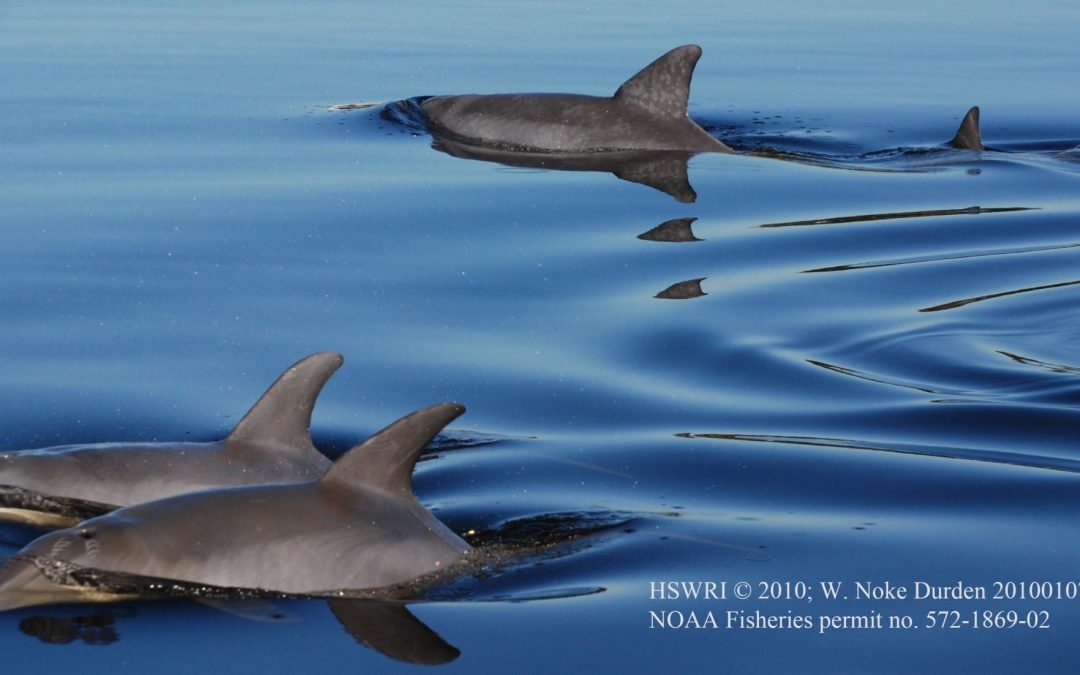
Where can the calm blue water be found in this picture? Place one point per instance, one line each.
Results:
(854, 397)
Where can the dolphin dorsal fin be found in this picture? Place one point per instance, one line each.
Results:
(663, 86)
(282, 417)
(387, 459)
(968, 136)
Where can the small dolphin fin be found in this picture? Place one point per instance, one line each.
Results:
(282, 417)
(968, 136)
(663, 86)
(387, 459)
(391, 629)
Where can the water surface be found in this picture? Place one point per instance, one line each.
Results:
(865, 368)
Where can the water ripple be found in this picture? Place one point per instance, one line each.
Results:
(942, 257)
(899, 215)
(955, 304)
(968, 454)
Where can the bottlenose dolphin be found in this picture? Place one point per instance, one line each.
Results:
(358, 527)
(61, 486)
(641, 134)
(648, 112)
(666, 170)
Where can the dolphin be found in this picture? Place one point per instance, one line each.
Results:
(648, 112)
(61, 486)
(357, 527)
(641, 134)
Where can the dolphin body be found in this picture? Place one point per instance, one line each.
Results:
(648, 112)
(357, 527)
(61, 486)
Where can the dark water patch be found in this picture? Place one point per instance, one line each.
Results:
(97, 629)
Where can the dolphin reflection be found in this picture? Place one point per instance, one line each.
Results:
(663, 170)
(684, 290)
(677, 230)
(91, 629)
(391, 629)
(384, 626)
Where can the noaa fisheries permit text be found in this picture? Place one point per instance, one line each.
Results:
(862, 604)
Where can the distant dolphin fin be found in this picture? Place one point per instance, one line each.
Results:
(663, 86)
(968, 137)
(282, 417)
(387, 459)
(392, 629)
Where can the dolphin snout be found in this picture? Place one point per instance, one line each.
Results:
(22, 585)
